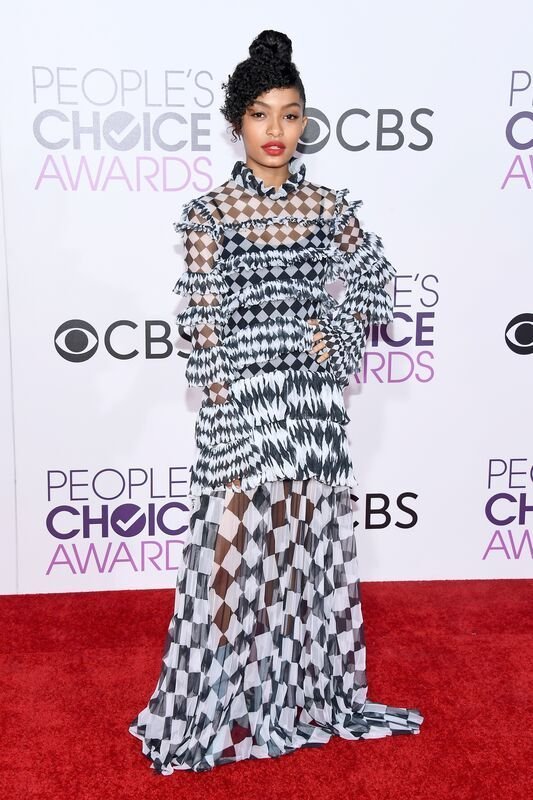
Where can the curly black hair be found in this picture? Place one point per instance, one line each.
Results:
(269, 66)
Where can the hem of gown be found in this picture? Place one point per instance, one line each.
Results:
(374, 721)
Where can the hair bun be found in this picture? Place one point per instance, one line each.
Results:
(271, 45)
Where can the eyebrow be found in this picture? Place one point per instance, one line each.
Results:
(261, 103)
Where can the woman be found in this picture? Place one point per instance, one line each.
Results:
(265, 652)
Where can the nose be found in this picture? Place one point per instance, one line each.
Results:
(274, 129)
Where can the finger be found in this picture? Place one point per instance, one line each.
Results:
(312, 321)
(318, 346)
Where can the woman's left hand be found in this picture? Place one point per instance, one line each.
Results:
(342, 340)
(319, 338)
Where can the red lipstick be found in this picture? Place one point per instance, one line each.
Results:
(274, 147)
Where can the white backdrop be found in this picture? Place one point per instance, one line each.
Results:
(109, 123)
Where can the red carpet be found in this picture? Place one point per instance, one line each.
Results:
(76, 668)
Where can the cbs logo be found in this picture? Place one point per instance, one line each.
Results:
(389, 122)
(77, 340)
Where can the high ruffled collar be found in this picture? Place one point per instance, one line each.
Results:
(243, 175)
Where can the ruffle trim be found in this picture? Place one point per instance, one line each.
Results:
(219, 422)
(207, 365)
(198, 282)
(302, 394)
(277, 219)
(184, 224)
(274, 257)
(243, 175)
(220, 462)
(289, 448)
(343, 211)
(211, 282)
(368, 296)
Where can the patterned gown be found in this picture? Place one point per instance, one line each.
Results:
(265, 652)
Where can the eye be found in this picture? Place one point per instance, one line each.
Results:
(255, 113)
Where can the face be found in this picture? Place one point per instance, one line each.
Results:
(276, 115)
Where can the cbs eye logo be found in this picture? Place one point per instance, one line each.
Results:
(519, 334)
(76, 340)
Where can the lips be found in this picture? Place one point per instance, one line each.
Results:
(274, 148)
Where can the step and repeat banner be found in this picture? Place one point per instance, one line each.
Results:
(109, 122)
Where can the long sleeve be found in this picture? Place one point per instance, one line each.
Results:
(224, 442)
(363, 265)
(206, 365)
(357, 258)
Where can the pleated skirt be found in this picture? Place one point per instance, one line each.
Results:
(265, 652)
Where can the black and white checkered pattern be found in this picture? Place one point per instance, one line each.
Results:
(258, 260)
(265, 652)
